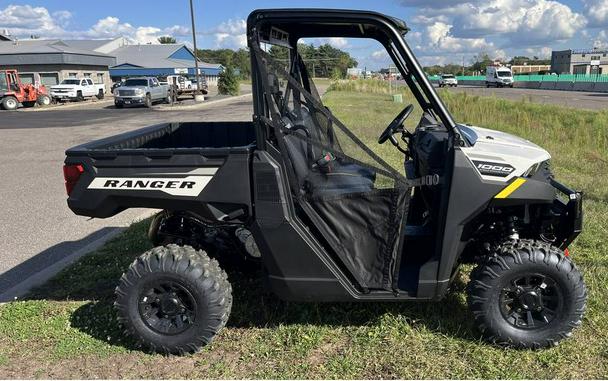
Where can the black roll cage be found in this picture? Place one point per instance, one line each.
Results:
(318, 23)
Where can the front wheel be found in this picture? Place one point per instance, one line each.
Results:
(10, 103)
(174, 299)
(527, 296)
(148, 101)
(44, 100)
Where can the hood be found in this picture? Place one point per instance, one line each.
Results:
(63, 86)
(500, 147)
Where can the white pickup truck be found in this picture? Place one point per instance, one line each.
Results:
(77, 89)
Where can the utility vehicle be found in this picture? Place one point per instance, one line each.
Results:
(13, 92)
(328, 219)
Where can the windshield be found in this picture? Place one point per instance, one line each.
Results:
(70, 82)
(136, 82)
(447, 76)
(503, 73)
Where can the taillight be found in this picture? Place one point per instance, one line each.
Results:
(71, 174)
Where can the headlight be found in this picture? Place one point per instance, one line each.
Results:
(533, 170)
(139, 91)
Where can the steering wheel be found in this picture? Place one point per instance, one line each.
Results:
(397, 123)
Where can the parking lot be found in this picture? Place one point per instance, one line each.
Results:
(38, 228)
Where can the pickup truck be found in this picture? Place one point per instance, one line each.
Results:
(141, 91)
(299, 194)
(77, 89)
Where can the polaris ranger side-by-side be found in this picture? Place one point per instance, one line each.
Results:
(328, 219)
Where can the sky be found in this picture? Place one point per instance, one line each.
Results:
(442, 31)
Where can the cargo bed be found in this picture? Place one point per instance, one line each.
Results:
(152, 167)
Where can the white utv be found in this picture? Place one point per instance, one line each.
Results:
(302, 195)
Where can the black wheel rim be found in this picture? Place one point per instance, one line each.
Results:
(167, 307)
(531, 301)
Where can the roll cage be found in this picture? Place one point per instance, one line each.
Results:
(319, 23)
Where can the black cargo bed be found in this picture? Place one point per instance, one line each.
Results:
(214, 138)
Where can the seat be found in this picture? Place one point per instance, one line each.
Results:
(318, 175)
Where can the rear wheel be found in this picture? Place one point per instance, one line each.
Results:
(174, 299)
(44, 100)
(528, 296)
(100, 94)
(10, 103)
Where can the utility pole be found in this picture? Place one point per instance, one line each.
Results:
(197, 75)
(463, 65)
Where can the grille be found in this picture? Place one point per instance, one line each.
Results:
(126, 93)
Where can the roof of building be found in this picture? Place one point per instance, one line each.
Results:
(87, 44)
(157, 56)
(43, 47)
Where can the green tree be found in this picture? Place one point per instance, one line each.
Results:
(228, 83)
(167, 40)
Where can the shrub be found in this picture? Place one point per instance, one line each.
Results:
(228, 83)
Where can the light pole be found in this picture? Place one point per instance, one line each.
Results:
(197, 92)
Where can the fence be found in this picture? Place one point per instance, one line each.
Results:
(603, 78)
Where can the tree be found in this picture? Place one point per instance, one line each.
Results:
(228, 83)
(167, 40)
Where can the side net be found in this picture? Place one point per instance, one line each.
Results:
(354, 199)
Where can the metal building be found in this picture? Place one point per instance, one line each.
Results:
(48, 62)
(159, 60)
(584, 61)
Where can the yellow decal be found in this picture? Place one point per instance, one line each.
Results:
(511, 188)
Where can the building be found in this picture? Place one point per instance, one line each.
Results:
(159, 60)
(590, 61)
(48, 62)
(530, 69)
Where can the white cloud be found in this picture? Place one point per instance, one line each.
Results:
(24, 20)
(438, 39)
(530, 21)
(597, 12)
(380, 55)
(601, 40)
(542, 52)
(230, 34)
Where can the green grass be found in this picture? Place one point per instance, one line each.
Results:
(67, 328)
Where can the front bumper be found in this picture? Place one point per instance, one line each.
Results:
(129, 100)
(63, 95)
(568, 213)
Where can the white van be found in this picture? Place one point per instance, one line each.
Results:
(499, 76)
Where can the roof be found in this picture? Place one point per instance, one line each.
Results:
(43, 47)
(156, 56)
(87, 44)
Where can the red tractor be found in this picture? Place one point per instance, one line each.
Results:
(13, 92)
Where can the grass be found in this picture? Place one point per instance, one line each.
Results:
(66, 328)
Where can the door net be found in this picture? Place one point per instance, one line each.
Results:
(354, 199)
